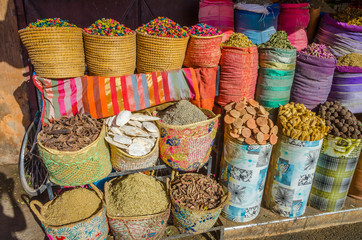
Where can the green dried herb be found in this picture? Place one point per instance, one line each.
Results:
(278, 40)
(238, 40)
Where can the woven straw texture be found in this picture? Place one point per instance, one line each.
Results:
(55, 52)
(336, 165)
(81, 167)
(159, 53)
(122, 161)
(195, 221)
(203, 52)
(110, 56)
(141, 227)
(94, 227)
(187, 147)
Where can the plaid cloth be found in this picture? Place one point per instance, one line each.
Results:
(107, 96)
(335, 168)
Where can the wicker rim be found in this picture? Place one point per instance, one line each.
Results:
(92, 144)
(223, 202)
(206, 37)
(49, 29)
(43, 207)
(145, 217)
(157, 37)
(108, 37)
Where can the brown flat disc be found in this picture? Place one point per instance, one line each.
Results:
(274, 130)
(246, 117)
(251, 110)
(250, 141)
(253, 103)
(256, 130)
(234, 113)
(229, 119)
(246, 132)
(229, 107)
(240, 106)
(266, 136)
(273, 139)
(241, 139)
(243, 112)
(234, 135)
(270, 123)
(260, 137)
(251, 123)
(262, 110)
(265, 129)
(261, 121)
(238, 123)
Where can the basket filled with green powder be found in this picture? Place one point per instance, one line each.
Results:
(137, 207)
(110, 48)
(55, 47)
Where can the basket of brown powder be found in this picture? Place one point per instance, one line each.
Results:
(74, 150)
(187, 135)
(197, 201)
(79, 213)
(137, 207)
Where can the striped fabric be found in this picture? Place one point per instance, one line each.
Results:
(106, 96)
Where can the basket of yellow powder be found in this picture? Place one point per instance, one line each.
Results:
(137, 207)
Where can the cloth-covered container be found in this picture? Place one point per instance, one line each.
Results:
(156, 53)
(95, 227)
(312, 80)
(238, 74)
(347, 88)
(187, 147)
(55, 52)
(294, 19)
(340, 37)
(203, 52)
(243, 174)
(217, 13)
(258, 27)
(195, 221)
(103, 97)
(87, 165)
(109, 56)
(149, 227)
(355, 189)
(292, 167)
(336, 164)
(275, 78)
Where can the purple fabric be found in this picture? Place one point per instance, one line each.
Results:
(349, 69)
(312, 80)
(344, 26)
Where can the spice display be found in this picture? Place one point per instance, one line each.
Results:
(351, 16)
(196, 191)
(278, 40)
(203, 29)
(70, 134)
(342, 122)
(72, 206)
(317, 50)
(182, 113)
(108, 27)
(248, 122)
(133, 133)
(292, 1)
(238, 40)
(50, 22)
(352, 60)
(299, 123)
(163, 27)
(260, 2)
(136, 195)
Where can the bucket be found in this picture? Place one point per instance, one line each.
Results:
(336, 165)
(292, 167)
(243, 173)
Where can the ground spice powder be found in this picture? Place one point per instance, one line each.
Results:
(351, 60)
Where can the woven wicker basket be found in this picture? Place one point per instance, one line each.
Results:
(159, 53)
(110, 55)
(141, 227)
(122, 161)
(89, 164)
(55, 52)
(203, 52)
(191, 220)
(187, 147)
(94, 227)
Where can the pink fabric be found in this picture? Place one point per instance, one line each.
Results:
(218, 13)
(294, 19)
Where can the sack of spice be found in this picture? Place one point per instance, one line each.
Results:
(197, 201)
(238, 69)
(313, 76)
(203, 49)
(342, 32)
(338, 159)
(277, 59)
(347, 81)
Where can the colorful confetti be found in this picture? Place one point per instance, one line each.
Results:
(108, 27)
(163, 27)
(50, 22)
(203, 29)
